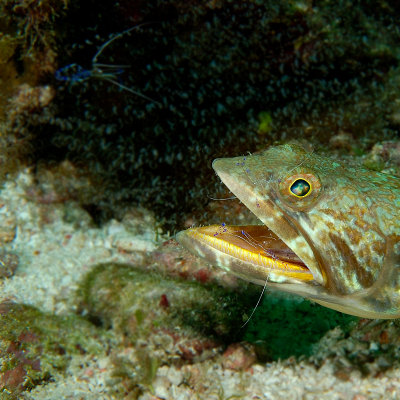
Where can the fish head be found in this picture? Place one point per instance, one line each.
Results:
(320, 233)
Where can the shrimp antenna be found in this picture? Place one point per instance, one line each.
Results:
(131, 90)
(116, 36)
(256, 306)
(226, 198)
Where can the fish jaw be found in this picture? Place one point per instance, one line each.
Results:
(245, 179)
(240, 249)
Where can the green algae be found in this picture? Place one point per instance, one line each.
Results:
(374, 164)
(285, 326)
(37, 346)
(265, 122)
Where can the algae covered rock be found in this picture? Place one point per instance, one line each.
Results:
(141, 304)
(36, 347)
(161, 321)
(8, 264)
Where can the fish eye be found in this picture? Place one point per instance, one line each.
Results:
(300, 188)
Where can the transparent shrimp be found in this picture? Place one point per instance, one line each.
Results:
(108, 72)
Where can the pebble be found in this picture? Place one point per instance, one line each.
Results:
(8, 229)
(8, 264)
(239, 357)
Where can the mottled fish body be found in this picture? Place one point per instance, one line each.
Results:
(330, 232)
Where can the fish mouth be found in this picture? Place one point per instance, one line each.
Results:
(276, 252)
(253, 252)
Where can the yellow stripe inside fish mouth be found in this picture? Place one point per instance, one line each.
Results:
(257, 245)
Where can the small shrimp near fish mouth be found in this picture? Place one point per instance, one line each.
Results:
(329, 232)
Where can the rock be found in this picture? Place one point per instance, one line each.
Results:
(7, 230)
(342, 140)
(8, 264)
(36, 346)
(239, 357)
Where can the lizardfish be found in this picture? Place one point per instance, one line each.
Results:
(329, 232)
